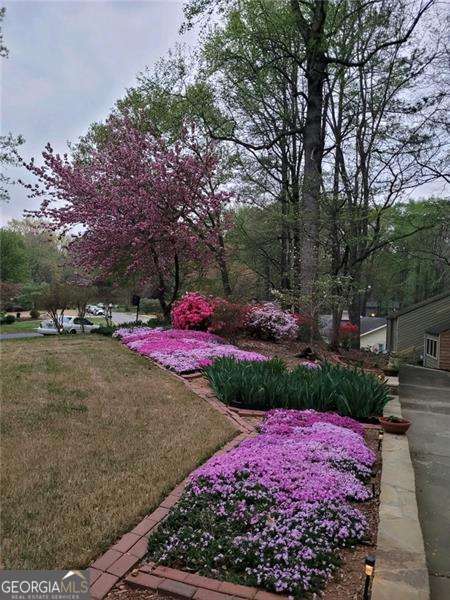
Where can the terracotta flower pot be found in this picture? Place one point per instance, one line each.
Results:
(400, 426)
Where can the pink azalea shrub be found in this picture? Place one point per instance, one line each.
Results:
(274, 511)
(269, 322)
(182, 350)
(192, 311)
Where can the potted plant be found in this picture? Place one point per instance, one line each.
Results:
(392, 367)
(393, 424)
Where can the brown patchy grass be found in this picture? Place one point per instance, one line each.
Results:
(93, 438)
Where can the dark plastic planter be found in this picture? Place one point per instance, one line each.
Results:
(390, 372)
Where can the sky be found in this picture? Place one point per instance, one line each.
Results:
(69, 61)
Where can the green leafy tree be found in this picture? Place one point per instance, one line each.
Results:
(47, 258)
(14, 257)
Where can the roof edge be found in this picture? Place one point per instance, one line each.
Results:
(372, 330)
(418, 305)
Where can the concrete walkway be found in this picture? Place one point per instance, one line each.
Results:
(425, 399)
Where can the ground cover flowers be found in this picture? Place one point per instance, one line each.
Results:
(274, 511)
(182, 350)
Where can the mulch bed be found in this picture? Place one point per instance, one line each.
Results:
(124, 592)
(348, 581)
(289, 351)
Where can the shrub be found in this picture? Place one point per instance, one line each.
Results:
(228, 319)
(106, 330)
(34, 313)
(347, 333)
(193, 311)
(267, 385)
(131, 324)
(158, 322)
(274, 511)
(270, 322)
(305, 326)
(7, 319)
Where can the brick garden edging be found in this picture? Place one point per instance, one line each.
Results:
(126, 554)
(131, 548)
(182, 584)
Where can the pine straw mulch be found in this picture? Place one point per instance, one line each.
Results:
(294, 353)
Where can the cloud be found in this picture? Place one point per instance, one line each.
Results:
(68, 64)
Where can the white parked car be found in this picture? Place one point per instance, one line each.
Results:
(95, 310)
(69, 325)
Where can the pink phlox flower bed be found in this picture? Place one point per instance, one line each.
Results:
(182, 350)
(274, 511)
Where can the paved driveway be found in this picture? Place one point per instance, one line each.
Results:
(425, 399)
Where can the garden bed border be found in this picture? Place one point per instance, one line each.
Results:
(401, 570)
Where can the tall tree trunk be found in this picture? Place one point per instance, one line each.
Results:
(313, 34)
(284, 201)
(335, 327)
(354, 309)
(163, 288)
(223, 267)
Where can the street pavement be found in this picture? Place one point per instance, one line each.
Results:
(18, 336)
(425, 399)
(118, 318)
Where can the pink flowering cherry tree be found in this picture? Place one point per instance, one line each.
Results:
(139, 208)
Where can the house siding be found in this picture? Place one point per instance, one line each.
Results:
(407, 330)
(373, 338)
(444, 351)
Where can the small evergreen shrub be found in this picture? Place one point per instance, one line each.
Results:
(34, 313)
(7, 319)
(267, 385)
(105, 330)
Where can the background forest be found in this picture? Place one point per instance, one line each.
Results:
(316, 126)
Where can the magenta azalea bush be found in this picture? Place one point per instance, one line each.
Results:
(274, 511)
(181, 350)
(270, 322)
(192, 311)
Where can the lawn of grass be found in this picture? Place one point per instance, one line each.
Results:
(93, 437)
(20, 326)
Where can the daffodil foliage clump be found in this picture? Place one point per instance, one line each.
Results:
(275, 511)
